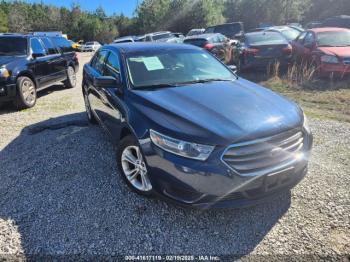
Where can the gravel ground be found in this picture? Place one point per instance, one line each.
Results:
(60, 194)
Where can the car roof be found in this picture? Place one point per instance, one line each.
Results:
(202, 36)
(126, 48)
(328, 29)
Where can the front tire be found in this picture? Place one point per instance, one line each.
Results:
(132, 166)
(71, 81)
(26, 93)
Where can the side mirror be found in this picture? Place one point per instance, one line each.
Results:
(36, 55)
(233, 68)
(106, 81)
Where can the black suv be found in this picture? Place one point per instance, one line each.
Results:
(29, 63)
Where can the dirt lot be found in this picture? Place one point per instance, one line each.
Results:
(60, 194)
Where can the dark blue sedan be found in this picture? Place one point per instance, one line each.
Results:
(262, 49)
(188, 129)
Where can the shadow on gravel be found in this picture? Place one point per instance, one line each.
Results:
(8, 107)
(60, 186)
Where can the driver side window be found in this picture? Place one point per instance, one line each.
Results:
(36, 47)
(98, 62)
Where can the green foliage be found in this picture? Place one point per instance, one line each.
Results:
(154, 15)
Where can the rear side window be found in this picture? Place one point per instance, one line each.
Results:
(50, 48)
(36, 46)
(62, 44)
(112, 66)
(98, 62)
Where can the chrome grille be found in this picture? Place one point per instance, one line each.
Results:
(346, 61)
(263, 155)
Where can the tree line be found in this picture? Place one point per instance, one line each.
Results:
(154, 15)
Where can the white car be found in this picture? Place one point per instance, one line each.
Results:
(90, 46)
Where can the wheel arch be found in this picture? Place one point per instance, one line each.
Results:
(29, 75)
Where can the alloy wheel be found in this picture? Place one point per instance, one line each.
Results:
(134, 168)
(28, 92)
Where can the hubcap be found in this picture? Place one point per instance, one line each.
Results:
(28, 92)
(134, 168)
(71, 75)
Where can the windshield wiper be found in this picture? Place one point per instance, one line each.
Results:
(156, 86)
(199, 81)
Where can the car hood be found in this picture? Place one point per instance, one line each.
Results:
(218, 112)
(337, 51)
(8, 59)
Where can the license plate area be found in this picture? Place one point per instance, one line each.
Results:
(278, 179)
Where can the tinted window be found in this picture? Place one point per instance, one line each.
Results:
(99, 61)
(13, 46)
(50, 48)
(309, 39)
(210, 30)
(89, 43)
(62, 43)
(301, 38)
(36, 46)
(112, 66)
(229, 29)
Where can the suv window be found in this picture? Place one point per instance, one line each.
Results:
(62, 43)
(36, 46)
(98, 61)
(112, 66)
(50, 48)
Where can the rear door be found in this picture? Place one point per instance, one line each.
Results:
(298, 46)
(308, 46)
(56, 62)
(66, 55)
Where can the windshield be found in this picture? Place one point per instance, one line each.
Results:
(89, 43)
(333, 38)
(290, 34)
(13, 46)
(265, 39)
(175, 67)
(161, 36)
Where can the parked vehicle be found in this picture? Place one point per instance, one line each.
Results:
(342, 21)
(262, 49)
(231, 30)
(31, 63)
(74, 45)
(313, 24)
(188, 129)
(195, 32)
(288, 32)
(326, 49)
(90, 46)
(126, 39)
(164, 36)
(216, 44)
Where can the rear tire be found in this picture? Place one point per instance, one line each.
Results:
(26, 93)
(132, 167)
(71, 81)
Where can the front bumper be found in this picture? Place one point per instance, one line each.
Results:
(211, 184)
(7, 91)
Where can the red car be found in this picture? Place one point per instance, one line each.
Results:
(328, 49)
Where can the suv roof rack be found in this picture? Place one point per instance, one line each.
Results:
(46, 33)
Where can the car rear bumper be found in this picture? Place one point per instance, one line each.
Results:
(211, 184)
(265, 62)
(7, 91)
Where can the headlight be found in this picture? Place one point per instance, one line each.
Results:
(306, 124)
(331, 59)
(4, 72)
(181, 148)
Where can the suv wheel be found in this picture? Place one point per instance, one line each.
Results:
(132, 166)
(26, 93)
(71, 78)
